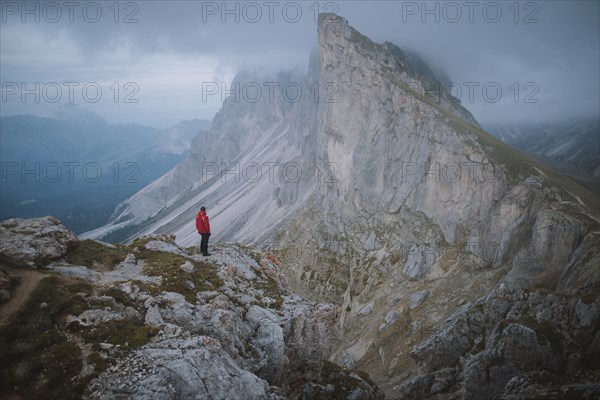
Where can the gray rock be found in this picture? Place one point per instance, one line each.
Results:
(130, 289)
(95, 317)
(269, 342)
(417, 298)
(183, 368)
(419, 261)
(505, 335)
(67, 269)
(544, 384)
(129, 271)
(36, 240)
(187, 267)
(153, 317)
(554, 236)
(159, 245)
(218, 348)
(366, 310)
(390, 317)
(340, 383)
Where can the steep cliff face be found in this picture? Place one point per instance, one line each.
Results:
(426, 217)
(411, 214)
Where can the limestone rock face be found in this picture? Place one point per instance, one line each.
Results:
(196, 367)
(34, 241)
(402, 224)
(400, 193)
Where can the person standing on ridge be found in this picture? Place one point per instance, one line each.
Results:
(203, 227)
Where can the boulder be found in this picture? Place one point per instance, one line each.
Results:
(35, 241)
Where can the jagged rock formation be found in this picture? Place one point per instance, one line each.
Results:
(458, 262)
(157, 321)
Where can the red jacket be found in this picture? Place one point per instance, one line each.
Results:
(202, 224)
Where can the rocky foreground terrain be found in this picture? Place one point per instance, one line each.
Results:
(153, 320)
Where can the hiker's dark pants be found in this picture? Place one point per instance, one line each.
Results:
(204, 243)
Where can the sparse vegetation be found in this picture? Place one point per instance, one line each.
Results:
(157, 263)
(92, 254)
(128, 332)
(270, 289)
(8, 285)
(117, 294)
(38, 361)
(343, 381)
(363, 42)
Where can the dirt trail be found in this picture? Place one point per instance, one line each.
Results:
(29, 281)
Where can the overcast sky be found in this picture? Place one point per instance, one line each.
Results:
(508, 61)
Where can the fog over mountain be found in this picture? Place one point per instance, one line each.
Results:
(543, 56)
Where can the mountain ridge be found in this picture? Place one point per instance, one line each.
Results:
(413, 219)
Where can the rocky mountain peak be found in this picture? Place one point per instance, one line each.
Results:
(342, 44)
(410, 217)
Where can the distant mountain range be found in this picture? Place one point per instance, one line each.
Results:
(77, 165)
(571, 147)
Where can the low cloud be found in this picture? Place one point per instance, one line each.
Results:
(544, 51)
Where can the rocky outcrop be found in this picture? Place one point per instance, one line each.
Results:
(505, 337)
(248, 339)
(34, 241)
(168, 323)
(180, 368)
